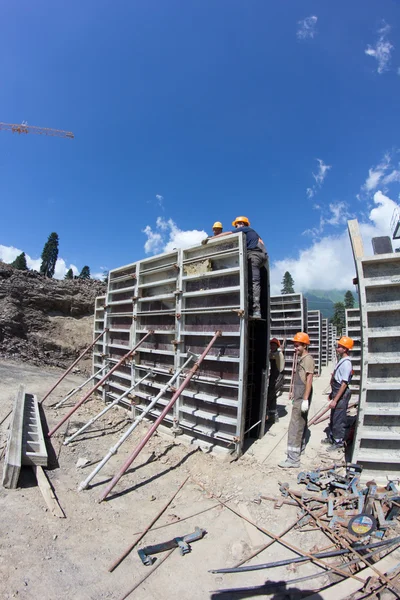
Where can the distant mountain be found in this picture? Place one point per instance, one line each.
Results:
(324, 300)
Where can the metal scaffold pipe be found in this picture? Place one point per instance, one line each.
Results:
(75, 390)
(155, 425)
(114, 449)
(73, 365)
(107, 408)
(98, 384)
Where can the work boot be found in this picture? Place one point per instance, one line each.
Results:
(257, 314)
(327, 441)
(335, 446)
(288, 464)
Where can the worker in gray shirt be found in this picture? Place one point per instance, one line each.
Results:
(340, 395)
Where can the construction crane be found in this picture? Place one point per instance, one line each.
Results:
(24, 128)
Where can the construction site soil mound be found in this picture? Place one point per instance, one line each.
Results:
(46, 321)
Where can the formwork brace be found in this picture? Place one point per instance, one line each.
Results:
(73, 365)
(107, 408)
(157, 422)
(75, 390)
(114, 449)
(98, 384)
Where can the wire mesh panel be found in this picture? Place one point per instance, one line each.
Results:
(184, 297)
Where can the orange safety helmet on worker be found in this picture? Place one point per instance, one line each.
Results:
(346, 342)
(302, 338)
(275, 341)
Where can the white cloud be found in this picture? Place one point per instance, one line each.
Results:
(319, 177)
(392, 177)
(167, 236)
(377, 174)
(307, 27)
(339, 214)
(328, 262)
(8, 254)
(382, 50)
(310, 192)
(160, 200)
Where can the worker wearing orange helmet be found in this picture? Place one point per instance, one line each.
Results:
(302, 395)
(276, 379)
(257, 258)
(217, 228)
(339, 396)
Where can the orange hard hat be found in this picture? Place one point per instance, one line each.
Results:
(241, 220)
(347, 342)
(275, 341)
(302, 338)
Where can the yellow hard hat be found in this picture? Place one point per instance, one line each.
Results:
(217, 225)
(241, 220)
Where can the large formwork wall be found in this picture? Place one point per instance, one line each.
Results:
(353, 330)
(314, 326)
(288, 316)
(324, 343)
(98, 349)
(185, 296)
(377, 436)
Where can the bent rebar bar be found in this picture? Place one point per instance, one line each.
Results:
(98, 384)
(157, 422)
(114, 449)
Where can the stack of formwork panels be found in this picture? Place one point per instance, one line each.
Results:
(332, 338)
(184, 297)
(288, 316)
(314, 326)
(324, 343)
(353, 330)
(99, 358)
(377, 437)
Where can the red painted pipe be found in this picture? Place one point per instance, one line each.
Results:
(156, 423)
(98, 384)
(73, 365)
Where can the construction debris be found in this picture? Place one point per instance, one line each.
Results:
(178, 542)
(48, 493)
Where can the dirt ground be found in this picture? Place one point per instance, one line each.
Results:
(43, 556)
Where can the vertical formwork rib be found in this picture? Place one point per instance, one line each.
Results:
(353, 330)
(314, 320)
(99, 359)
(332, 339)
(324, 343)
(184, 296)
(377, 436)
(288, 316)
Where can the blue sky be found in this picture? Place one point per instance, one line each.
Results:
(190, 111)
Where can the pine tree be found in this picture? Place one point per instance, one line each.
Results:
(20, 262)
(287, 284)
(85, 273)
(105, 276)
(348, 299)
(49, 255)
(69, 274)
(339, 319)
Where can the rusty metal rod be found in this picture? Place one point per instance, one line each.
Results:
(319, 414)
(73, 365)
(326, 417)
(98, 384)
(159, 563)
(157, 422)
(149, 526)
(343, 542)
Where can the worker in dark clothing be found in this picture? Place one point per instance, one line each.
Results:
(276, 379)
(339, 396)
(257, 258)
(302, 396)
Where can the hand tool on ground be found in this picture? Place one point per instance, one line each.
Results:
(178, 542)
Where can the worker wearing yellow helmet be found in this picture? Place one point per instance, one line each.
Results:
(257, 258)
(217, 228)
(339, 396)
(302, 395)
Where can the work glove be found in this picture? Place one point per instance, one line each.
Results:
(304, 406)
(204, 242)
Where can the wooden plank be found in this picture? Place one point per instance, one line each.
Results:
(48, 493)
(344, 589)
(356, 239)
(12, 462)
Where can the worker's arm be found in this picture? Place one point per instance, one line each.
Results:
(309, 380)
(340, 393)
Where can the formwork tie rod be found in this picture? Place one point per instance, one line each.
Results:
(157, 422)
(114, 449)
(73, 365)
(75, 390)
(107, 408)
(98, 384)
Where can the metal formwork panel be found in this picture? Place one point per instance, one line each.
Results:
(332, 339)
(353, 330)
(288, 316)
(314, 321)
(324, 343)
(184, 297)
(377, 436)
(98, 349)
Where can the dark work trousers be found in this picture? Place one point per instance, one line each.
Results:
(256, 260)
(337, 424)
(298, 421)
(272, 391)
